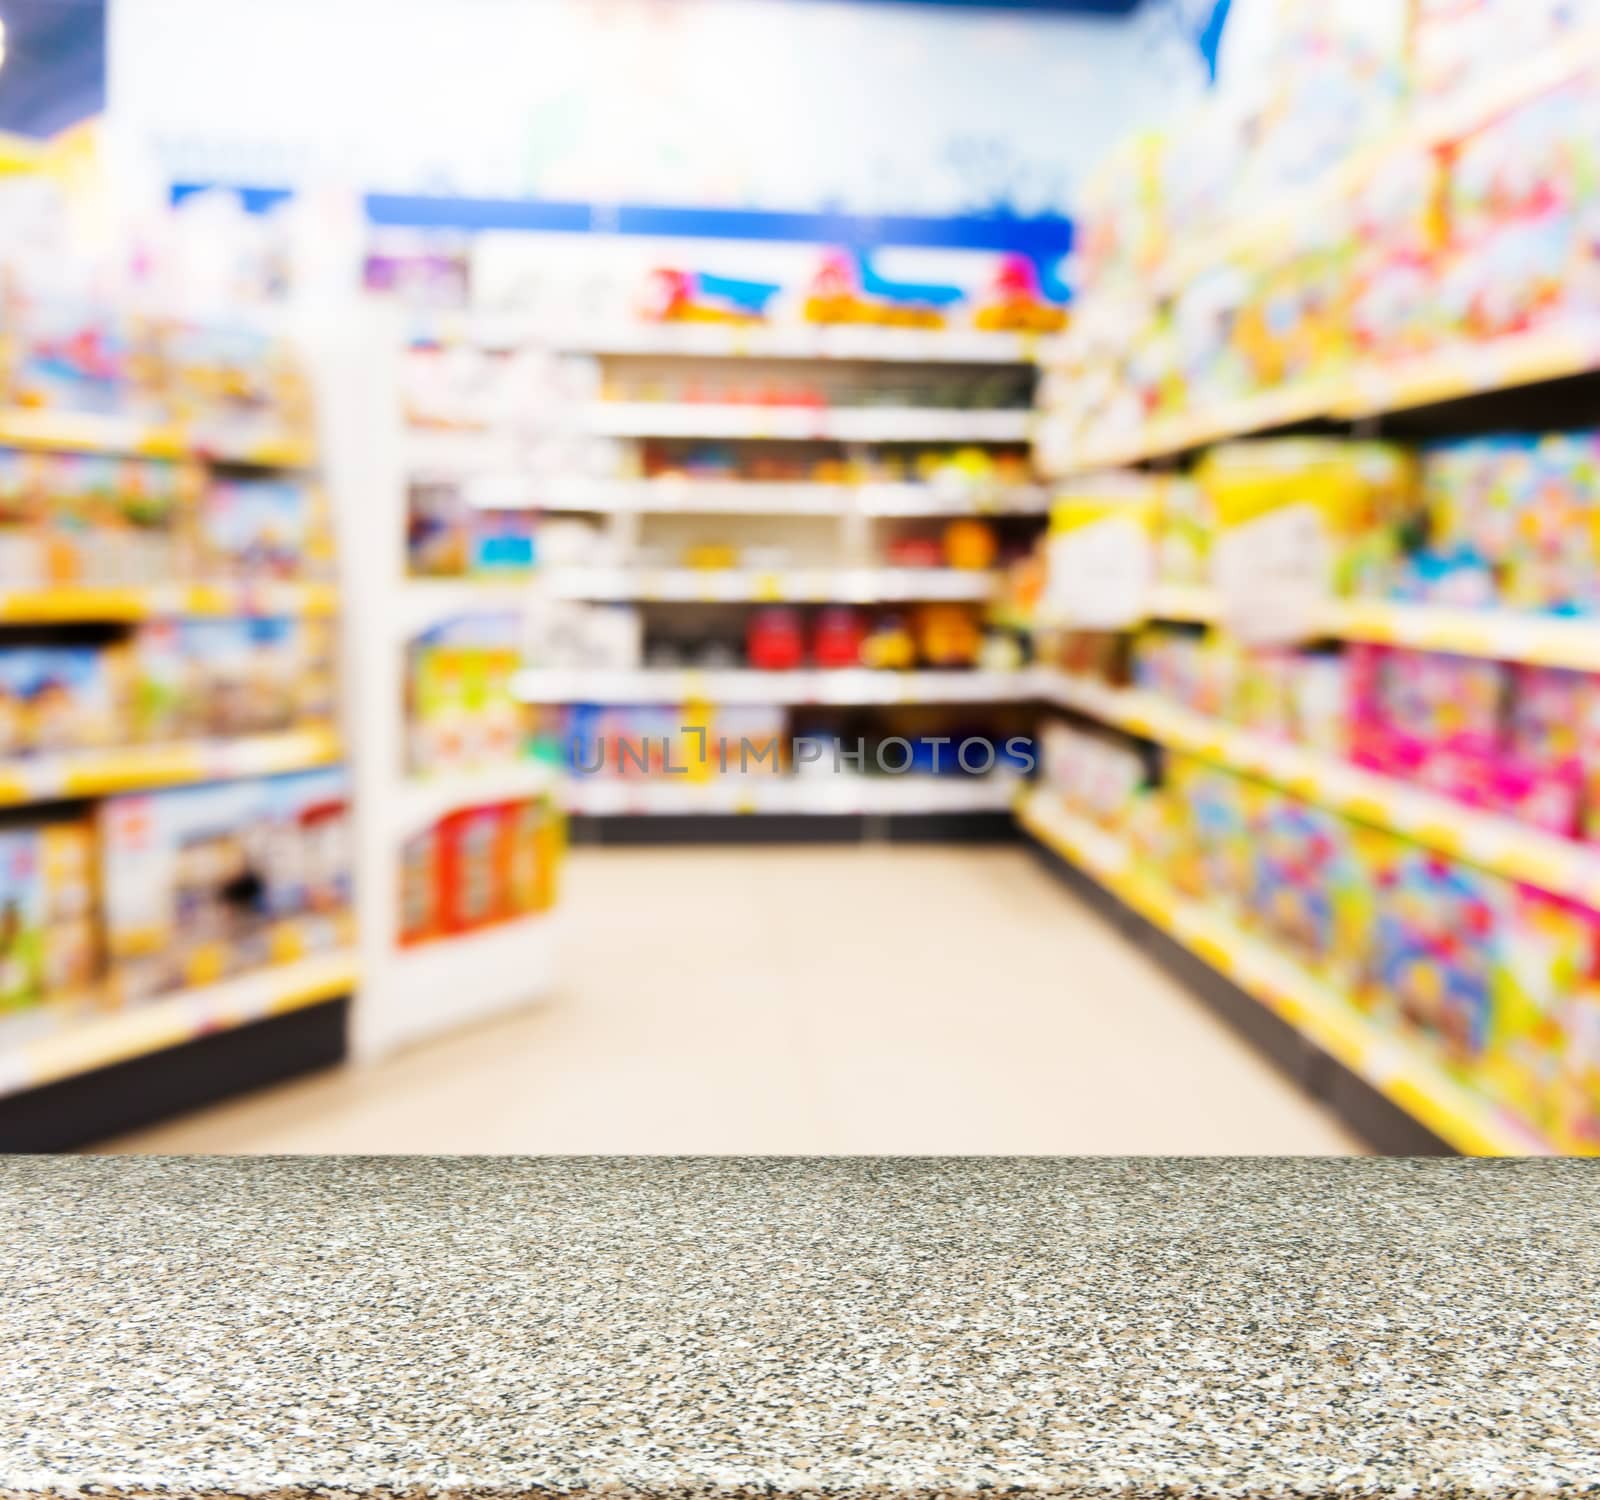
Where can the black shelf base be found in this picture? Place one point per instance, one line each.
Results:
(144, 1090)
(623, 830)
(1384, 1126)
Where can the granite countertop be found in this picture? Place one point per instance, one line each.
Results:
(656, 1327)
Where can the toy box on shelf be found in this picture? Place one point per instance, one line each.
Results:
(203, 882)
(1497, 982)
(1456, 235)
(478, 867)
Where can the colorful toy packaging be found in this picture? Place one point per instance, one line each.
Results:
(1423, 246)
(480, 866)
(91, 520)
(259, 529)
(461, 710)
(1510, 522)
(1498, 981)
(1366, 494)
(22, 962)
(230, 387)
(70, 357)
(49, 942)
(1097, 774)
(494, 864)
(203, 882)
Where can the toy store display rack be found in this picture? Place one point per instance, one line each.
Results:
(724, 503)
(173, 848)
(1332, 747)
(456, 856)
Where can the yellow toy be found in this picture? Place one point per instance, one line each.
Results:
(970, 544)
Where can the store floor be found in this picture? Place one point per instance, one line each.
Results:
(877, 999)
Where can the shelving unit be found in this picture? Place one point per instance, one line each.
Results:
(1493, 384)
(504, 470)
(1411, 1080)
(73, 1036)
(82, 1040)
(1363, 389)
(1560, 866)
(409, 992)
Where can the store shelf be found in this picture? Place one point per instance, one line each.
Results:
(95, 432)
(1174, 435)
(743, 685)
(843, 424)
(1470, 369)
(425, 602)
(1446, 374)
(770, 792)
(1493, 842)
(667, 496)
(1502, 635)
(1399, 1070)
(447, 455)
(935, 499)
(1192, 602)
(1499, 89)
(71, 603)
(99, 773)
(741, 341)
(423, 800)
(675, 495)
(64, 1038)
(799, 585)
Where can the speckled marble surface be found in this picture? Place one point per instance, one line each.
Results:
(652, 1327)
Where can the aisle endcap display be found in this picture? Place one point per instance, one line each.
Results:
(1382, 1059)
(66, 1037)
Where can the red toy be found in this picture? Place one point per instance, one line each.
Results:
(774, 640)
(837, 643)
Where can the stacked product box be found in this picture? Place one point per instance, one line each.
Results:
(200, 883)
(480, 867)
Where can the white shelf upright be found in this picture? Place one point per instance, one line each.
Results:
(407, 993)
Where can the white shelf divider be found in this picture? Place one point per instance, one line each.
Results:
(407, 993)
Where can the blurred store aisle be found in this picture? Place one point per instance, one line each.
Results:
(810, 1000)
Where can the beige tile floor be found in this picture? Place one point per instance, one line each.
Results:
(877, 999)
